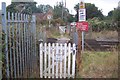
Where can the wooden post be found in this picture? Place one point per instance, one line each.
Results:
(78, 61)
(80, 18)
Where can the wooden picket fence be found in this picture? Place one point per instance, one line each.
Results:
(57, 60)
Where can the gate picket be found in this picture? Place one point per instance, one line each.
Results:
(45, 57)
(41, 62)
(49, 61)
(56, 60)
(61, 61)
(53, 51)
(69, 51)
(65, 51)
(73, 61)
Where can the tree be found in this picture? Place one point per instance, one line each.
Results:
(71, 18)
(110, 14)
(116, 15)
(22, 7)
(91, 11)
(60, 12)
(116, 18)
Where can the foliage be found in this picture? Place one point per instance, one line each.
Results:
(98, 25)
(92, 23)
(91, 11)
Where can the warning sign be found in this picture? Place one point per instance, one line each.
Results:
(83, 26)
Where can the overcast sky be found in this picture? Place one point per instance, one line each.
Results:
(105, 5)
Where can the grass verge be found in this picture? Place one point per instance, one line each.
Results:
(99, 65)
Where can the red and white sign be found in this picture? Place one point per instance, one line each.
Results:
(83, 25)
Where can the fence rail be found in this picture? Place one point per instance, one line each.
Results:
(57, 60)
(19, 43)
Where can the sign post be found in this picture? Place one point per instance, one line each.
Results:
(82, 41)
(82, 17)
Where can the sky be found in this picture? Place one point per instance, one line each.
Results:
(105, 5)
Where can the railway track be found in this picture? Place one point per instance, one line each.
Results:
(100, 45)
(92, 44)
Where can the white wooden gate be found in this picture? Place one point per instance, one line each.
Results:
(57, 60)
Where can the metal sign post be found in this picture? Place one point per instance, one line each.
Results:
(82, 41)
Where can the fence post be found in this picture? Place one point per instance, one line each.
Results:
(5, 40)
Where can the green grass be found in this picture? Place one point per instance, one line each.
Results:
(99, 65)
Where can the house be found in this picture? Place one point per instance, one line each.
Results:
(44, 16)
